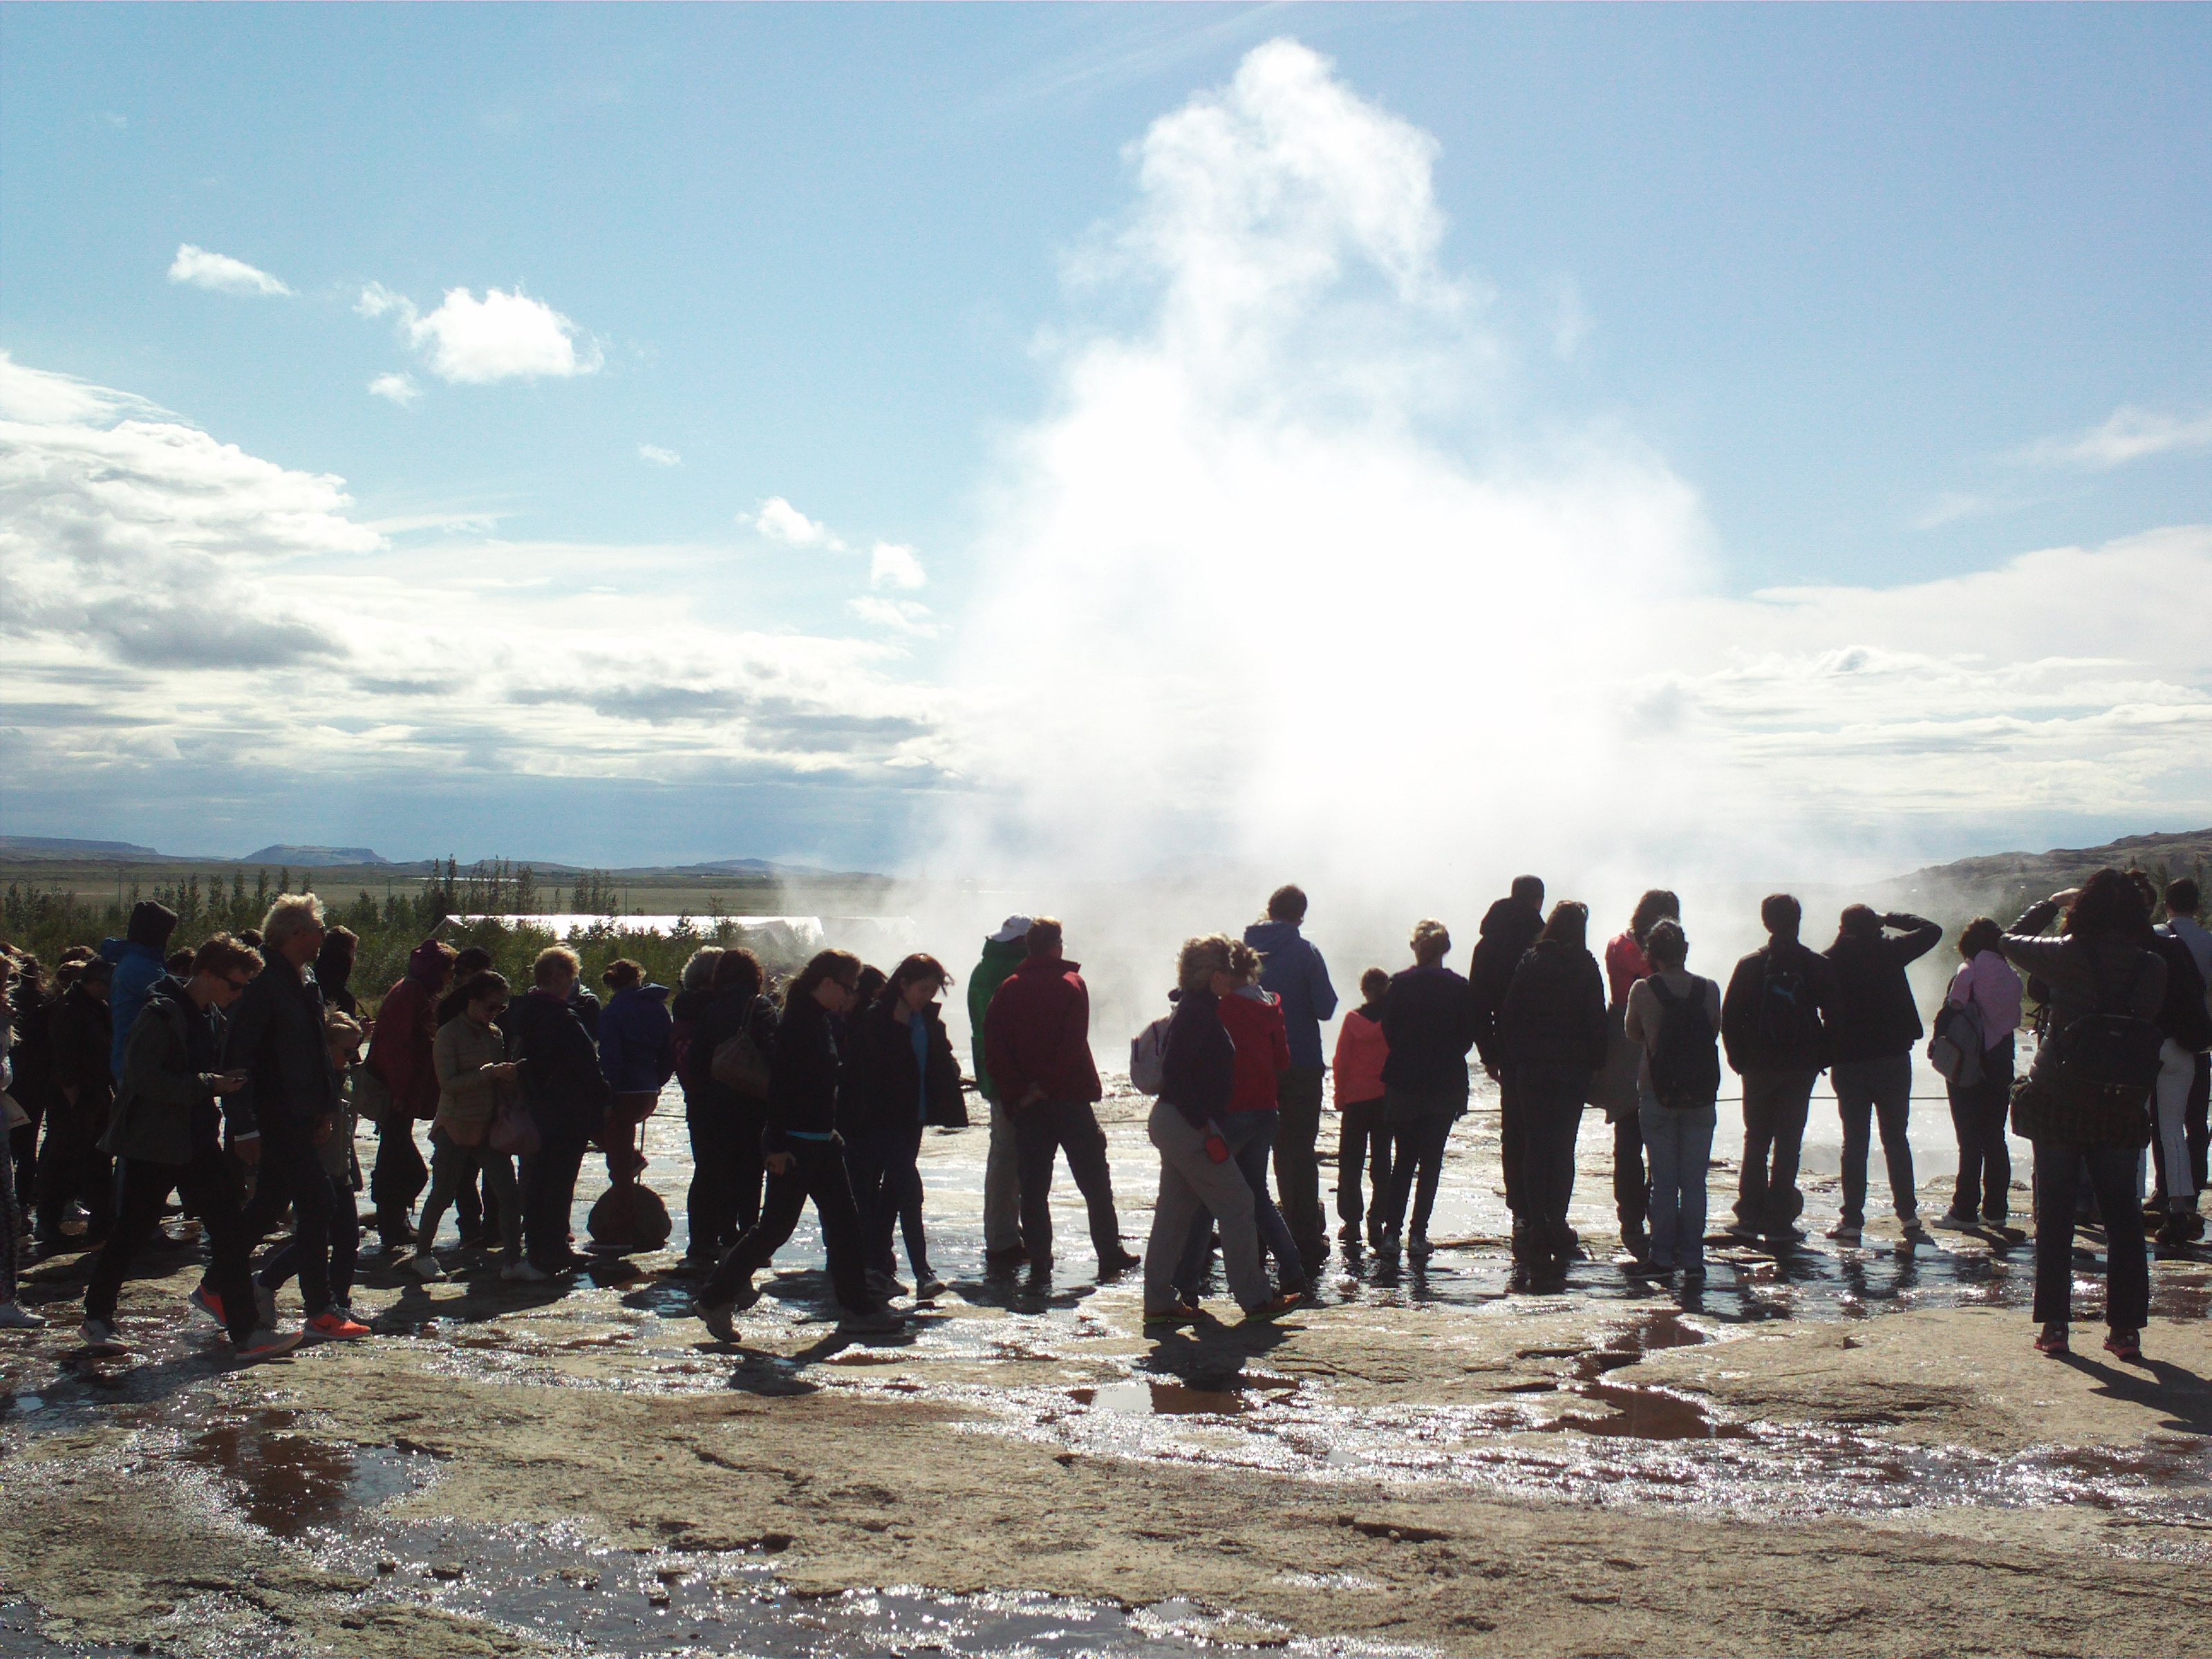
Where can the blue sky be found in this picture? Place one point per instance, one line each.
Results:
(1886, 294)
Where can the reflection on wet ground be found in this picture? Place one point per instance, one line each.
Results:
(1579, 1429)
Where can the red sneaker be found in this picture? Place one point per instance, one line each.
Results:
(209, 1304)
(332, 1325)
(2051, 1340)
(2126, 1347)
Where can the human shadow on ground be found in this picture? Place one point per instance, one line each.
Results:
(2169, 1388)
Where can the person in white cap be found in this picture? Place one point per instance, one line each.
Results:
(1002, 1184)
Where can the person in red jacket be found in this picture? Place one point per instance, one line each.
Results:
(399, 1054)
(1362, 1142)
(1036, 1039)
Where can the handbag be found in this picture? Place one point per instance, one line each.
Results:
(514, 1131)
(1955, 1049)
(739, 1064)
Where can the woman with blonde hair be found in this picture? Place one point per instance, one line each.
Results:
(1198, 1079)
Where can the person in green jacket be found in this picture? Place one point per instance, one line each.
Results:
(1002, 1187)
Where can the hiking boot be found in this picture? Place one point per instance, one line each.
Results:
(1348, 1233)
(928, 1287)
(1006, 1255)
(719, 1317)
(424, 1266)
(1386, 1244)
(1417, 1248)
(885, 1285)
(102, 1339)
(208, 1303)
(2051, 1340)
(1117, 1264)
(333, 1325)
(13, 1316)
(1179, 1315)
(881, 1322)
(265, 1343)
(1273, 1307)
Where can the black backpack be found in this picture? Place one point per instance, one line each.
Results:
(2109, 1061)
(1789, 1018)
(1685, 1066)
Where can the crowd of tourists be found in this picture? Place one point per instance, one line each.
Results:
(231, 1077)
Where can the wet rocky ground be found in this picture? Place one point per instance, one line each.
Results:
(1849, 1451)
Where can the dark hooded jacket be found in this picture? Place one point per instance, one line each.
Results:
(561, 1083)
(1509, 928)
(334, 972)
(637, 1049)
(1751, 1048)
(273, 1033)
(882, 1088)
(165, 1104)
(1429, 1021)
(1555, 1009)
(1879, 1015)
(803, 1067)
(80, 1031)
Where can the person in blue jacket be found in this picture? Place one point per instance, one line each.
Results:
(141, 960)
(1293, 970)
(637, 1056)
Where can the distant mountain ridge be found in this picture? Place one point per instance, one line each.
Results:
(61, 846)
(1996, 880)
(314, 858)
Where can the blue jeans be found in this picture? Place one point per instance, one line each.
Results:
(1680, 1142)
(2060, 1167)
(1251, 1136)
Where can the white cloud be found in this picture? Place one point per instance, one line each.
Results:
(894, 566)
(198, 267)
(779, 521)
(2131, 434)
(501, 337)
(177, 609)
(658, 456)
(399, 388)
(901, 616)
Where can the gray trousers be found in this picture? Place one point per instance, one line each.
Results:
(1002, 1184)
(1191, 1182)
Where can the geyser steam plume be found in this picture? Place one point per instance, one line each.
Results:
(1265, 586)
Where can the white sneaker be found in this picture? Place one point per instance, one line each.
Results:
(525, 1272)
(424, 1266)
(15, 1317)
(102, 1339)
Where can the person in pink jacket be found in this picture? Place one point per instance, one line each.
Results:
(1361, 1139)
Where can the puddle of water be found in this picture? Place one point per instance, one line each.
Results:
(289, 1483)
(1160, 1400)
(1646, 1414)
